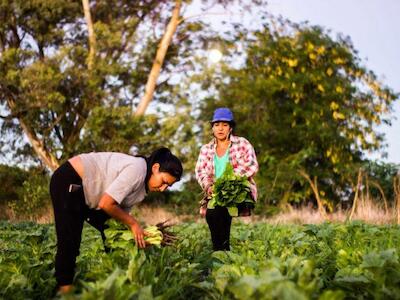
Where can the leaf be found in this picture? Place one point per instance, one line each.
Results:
(352, 279)
(338, 116)
(292, 62)
(230, 189)
(211, 203)
(334, 105)
(233, 211)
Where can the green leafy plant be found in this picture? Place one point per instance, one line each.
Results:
(32, 196)
(327, 261)
(119, 236)
(230, 190)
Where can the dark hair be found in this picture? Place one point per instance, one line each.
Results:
(168, 163)
(233, 125)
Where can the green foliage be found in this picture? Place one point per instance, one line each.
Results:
(33, 195)
(27, 261)
(312, 106)
(12, 178)
(114, 129)
(311, 102)
(229, 191)
(119, 236)
(382, 174)
(25, 192)
(328, 261)
(45, 82)
(182, 202)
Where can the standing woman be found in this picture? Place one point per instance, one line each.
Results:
(224, 148)
(97, 186)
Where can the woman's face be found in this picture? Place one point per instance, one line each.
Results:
(221, 130)
(159, 181)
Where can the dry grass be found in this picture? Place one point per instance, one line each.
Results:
(367, 212)
(43, 217)
(152, 215)
(147, 214)
(46, 217)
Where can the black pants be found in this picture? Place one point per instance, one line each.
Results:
(219, 221)
(70, 211)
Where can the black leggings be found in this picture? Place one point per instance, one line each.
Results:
(219, 221)
(70, 211)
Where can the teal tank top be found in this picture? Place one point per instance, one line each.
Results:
(220, 163)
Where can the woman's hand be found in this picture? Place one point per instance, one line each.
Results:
(203, 206)
(203, 211)
(210, 190)
(111, 207)
(139, 235)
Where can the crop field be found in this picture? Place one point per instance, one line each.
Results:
(328, 261)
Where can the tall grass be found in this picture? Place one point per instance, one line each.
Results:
(364, 209)
(369, 212)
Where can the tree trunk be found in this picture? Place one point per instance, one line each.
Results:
(38, 146)
(396, 187)
(314, 187)
(46, 157)
(91, 35)
(378, 186)
(359, 182)
(158, 61)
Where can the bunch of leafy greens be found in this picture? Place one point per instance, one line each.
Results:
(230, 190)
(119, 236)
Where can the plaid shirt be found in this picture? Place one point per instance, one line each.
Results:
(241, 156)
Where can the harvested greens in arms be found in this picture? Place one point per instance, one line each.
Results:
(119, 236)
(230, 190)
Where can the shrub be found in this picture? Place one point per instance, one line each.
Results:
(32, 195)
(12, 179)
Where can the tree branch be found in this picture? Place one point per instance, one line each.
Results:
(396, 187)
(359, 182)
(91, 34)
(159, 59)
(378, 186)
(314, 187)
(38, 146)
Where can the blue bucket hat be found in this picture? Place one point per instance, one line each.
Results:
(222, 114)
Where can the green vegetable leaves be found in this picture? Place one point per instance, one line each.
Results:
(118, 236)
(326, 261)
(230, 190)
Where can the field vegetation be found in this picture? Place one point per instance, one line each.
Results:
(326, 261)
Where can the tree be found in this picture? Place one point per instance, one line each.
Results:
(70, 73)
(159, 59)
(49, 86)
(54, 80)
(313, 107)
(380, 176)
